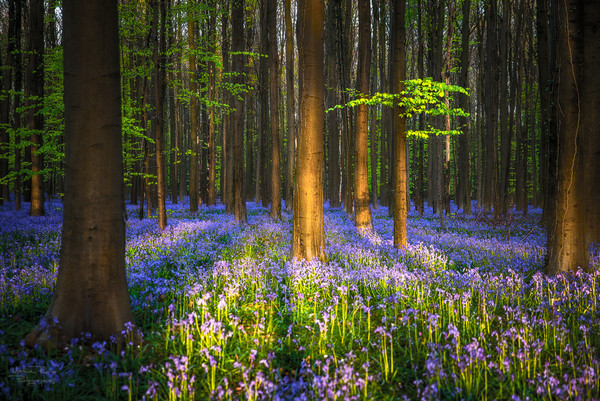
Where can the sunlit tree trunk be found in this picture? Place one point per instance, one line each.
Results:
(308, 240)
(35, 94)
(91, 289)
(362, 206)
(397, 78)
(158, 118)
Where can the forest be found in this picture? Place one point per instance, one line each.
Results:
(299, 199)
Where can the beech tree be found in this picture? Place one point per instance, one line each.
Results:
(362, 207)
(397, 77)
(91, 289)
(308, 239)
(578, 144)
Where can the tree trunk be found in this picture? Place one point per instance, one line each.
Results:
(491, 110)
(362, 206)
(91, 289)
(274, 105)
(212, 154)
(308, 240)
(237, 45)
(464, 188)
(193, 184)
(397, 78)
(158, 118)
(333, 98)
(590, 168)
(567, 248)
(35, 95)
(291, 106)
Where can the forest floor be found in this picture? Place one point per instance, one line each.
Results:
(463, 313)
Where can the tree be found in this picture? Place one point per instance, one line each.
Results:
(290, 107)
(398, 32)
(570, 234)
(308, 239)
(91, 289)
(194, 126)
(35, 94)
(274, 106)
(362, 207)
(237, 46)
(158, 119)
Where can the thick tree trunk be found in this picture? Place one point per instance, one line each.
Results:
(35, 95)
(590, 168)
(362, 204)
(567, 247)
(91, 289)
(397, 78)
(308, 241)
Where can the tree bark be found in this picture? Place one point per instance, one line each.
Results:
(274, 106)
(397, 78)
(91, 289)
(193, 183)
(362, 206)
(237, 45)
(291, 107)
(158, 118)
(464, 188)
(567, 248)
(35, 100)
(308, 240)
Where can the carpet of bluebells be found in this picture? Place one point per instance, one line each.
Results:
(463, 313)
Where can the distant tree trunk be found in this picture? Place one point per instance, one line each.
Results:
(447, 69)
(362, 206)
(91, 289)
(567, 247)
(291, 107)
(464, 187)
(374, 110)
(212, 154)
(274, 104)
(491, 110)
(225, 153)
(194, 126)
(35, 95)
(16, 121)
(346, 48)
(158, 118)
(502, 199)
(308, 240)
(173, 118)
(420, 179)
(397, 78)
(332, 98)
(237, 45)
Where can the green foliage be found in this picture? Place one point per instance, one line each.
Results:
(420, 96)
